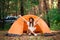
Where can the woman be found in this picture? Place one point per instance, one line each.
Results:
(31, 23)
(31, 27)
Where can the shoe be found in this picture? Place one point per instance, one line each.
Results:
(35, 34)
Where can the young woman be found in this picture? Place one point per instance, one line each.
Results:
(31, 27)
(31, 23)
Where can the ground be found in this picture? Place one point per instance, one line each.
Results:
(26, 37)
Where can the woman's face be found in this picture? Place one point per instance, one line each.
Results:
(31, 20)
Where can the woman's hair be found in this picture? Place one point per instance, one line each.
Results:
(31, 22)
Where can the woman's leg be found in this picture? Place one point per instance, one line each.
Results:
(28, 32)
(32, 32)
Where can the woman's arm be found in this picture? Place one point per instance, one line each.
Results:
(37, 19)
(23, 18)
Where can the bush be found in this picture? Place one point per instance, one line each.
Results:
(54, 17)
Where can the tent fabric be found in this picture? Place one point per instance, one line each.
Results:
(20, 26)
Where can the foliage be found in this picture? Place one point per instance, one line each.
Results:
(29, 4)
(7, 7)
(54, 18)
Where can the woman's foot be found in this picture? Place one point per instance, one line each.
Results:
(29, 34)
(35, 34)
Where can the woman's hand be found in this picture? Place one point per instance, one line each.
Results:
(23, 18)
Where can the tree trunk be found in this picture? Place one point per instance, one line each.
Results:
(50, 4)
(22, 7)
(18, 7)
(41, 4)
(0, 12)
(43, 7)
(46, 8)
(3, 11)
(59, 4)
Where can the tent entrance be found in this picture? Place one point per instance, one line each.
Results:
(25, 28)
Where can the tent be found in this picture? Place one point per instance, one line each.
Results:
(19, 26)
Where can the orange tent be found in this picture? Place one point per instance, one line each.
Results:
(19, 26)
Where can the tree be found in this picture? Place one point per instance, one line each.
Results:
(2, 11)
(43, 8)
(22, 7)
(59, 4)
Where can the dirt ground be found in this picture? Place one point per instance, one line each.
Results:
(26, 37)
